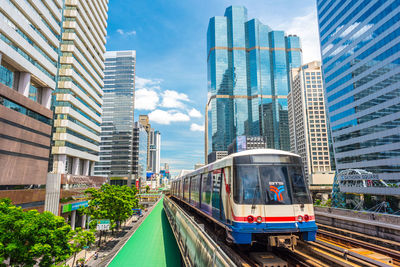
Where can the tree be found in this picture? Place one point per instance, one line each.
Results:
(147, 189)
(30, 238)
(81, 239)
(111, 202)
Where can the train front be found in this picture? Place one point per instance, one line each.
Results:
(271, 200)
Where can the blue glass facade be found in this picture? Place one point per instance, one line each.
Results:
(117, 127)
(248, 80)
(360, 49)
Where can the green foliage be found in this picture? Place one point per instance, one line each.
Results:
(29, 238)
(111, 202)
(66, 199)
(317, 202)
(80, 239)
(328, 203)
(147, 189)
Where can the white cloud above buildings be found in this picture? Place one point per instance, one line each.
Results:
(165, 106)
(196, 127)
(306, 27)
(194, 113)
(126, 33)
(146, 99)
(173, 99)
(167, 117)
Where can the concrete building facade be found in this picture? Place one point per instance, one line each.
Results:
(309, 136)
(140, 142)
(29, 43)
(77, 101)
(155, 151)
(78, 98)
(153, 145)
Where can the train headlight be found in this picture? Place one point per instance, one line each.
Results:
(300, 218)
(250, 219)
(259, 219)
(306, 218)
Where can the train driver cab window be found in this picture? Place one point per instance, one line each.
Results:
(274, 180)
(300, 192)
(247, 187)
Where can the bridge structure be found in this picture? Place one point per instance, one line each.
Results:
(360, 182)
(152, 244)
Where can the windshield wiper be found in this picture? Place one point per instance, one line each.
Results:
(256, 190)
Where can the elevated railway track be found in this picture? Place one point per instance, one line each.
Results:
(209, 246)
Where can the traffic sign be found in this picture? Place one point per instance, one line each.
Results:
(103, 224)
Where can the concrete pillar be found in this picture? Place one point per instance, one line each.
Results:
(91, 171)
(73, 218)
(83, 222)
(53, 190)
(86, 164)
(46, 97)
(59, 163)
(75, 166)
(24, 82)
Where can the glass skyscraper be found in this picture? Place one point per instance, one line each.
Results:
(116, 148)
(248, 80)
(360, 49)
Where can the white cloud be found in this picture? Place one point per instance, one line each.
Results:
(122, 32)
(147, 93)
(146, 99)
(306, 27)
(173, 99)
(196, 127)
(194, 113)
(166, 117)
(147, 83)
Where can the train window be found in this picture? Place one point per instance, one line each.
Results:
(247, 185)
(186, 188)
(299, 186)
(274, 180)
(206, 192)
(179, 189)
(194, 190)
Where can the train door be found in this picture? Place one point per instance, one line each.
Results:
(206, 192)
(200, 188)
(226, 194)
(217, 205)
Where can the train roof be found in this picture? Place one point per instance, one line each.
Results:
(262, 151)
(238, 154)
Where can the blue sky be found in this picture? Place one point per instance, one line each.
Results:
(171, 68)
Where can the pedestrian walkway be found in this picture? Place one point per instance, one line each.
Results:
(153, 244)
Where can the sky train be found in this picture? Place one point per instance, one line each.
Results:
(256, 195)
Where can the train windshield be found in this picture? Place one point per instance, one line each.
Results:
(270, 184)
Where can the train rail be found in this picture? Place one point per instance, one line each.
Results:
(351, 243)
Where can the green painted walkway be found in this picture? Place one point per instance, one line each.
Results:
(153, 244)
